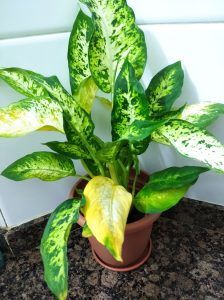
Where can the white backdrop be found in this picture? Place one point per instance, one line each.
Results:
(30, 39)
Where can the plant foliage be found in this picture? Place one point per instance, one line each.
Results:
(106, 52)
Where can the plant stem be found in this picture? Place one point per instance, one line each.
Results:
(113, 173)
(136, 166)
(86, 168)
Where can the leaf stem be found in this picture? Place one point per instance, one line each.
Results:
(83, 177)
(113, 173)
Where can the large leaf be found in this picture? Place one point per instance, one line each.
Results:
(166, 188)
(106, 211)
(164, 88)
(46, 166)
(202, 114)
(54, 246)
(68, 149)
(29, 115)
(23, 81)
(115, 36)
(194, 142)
(130, 104)
(82, 85)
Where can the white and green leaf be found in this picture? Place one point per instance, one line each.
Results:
(115, 36)
(23, 81)
(164, 88)
(82, 85)
(166, 188)
(130, 104)
(54, 246)
(28, 115)
(194, 142)
(68, 149)
(106, 211)
(202, 114)
(46, 166)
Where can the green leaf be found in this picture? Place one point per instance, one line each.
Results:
(166, 188)
(86, 232)
(130, 104)
(106, 211)
(140, 130)
(54, 246)
(68, 149)
(78, 50)
(164, 88)
(23, 81)
(82, 85)
(46, 166)
(194, 142)
(115, 36)
(202, 114)
(30, 114)
(175, 177)
(110, 150)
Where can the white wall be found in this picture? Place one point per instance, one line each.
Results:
(30, 39)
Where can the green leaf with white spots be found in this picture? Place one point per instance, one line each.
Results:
(82, 85)
(139, 130)
(54, 246)
(115, 36)
(194, 142)
(202, 114)
(30, 114)
(78, 50)
(166, 188)
(110, 150)
(130, 104)
(23, 81)
(68, 149)
(46, 166)
(164, 88)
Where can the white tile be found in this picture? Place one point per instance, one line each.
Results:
(29, 17)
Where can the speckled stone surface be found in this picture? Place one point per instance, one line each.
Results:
(187, 262)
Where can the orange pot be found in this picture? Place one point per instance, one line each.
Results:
(137, 244)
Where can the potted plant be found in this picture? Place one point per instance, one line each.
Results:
(107, 52)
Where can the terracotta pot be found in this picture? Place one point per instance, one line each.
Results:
(137, 244)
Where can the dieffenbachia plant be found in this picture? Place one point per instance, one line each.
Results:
(106, 52)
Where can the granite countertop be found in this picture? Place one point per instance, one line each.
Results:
(187, 262)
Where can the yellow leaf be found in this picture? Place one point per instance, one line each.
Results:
(106, 211)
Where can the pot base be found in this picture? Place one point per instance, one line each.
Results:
(136, 265)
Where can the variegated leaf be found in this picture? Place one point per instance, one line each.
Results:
(29, 115)
(86, 232)
(202, 114)
(164, 88)
(115, 36)
(23, 81)
(109, 151)
(194, 142)
(130, 104)
(68, 149)
(82, 85)
(166, 188)
(46, 166)
(54, 246)
(106, 211)
(78, 50)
